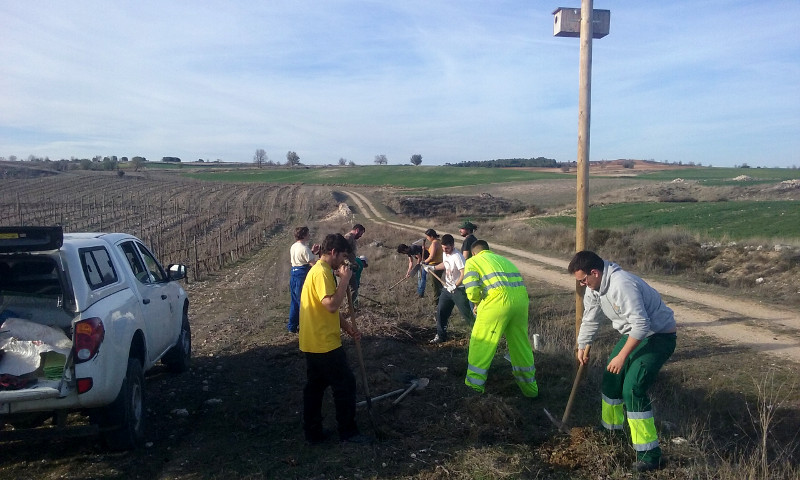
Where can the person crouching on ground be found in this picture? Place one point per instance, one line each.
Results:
(496, 288)
(302, 259)
(321, 341)
(648, 339)
(454, 293)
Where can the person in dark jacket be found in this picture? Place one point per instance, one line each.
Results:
(467, 230)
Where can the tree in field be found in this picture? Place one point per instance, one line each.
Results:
(138, 162)
(260, 157)
(342, 161)
(416, 159)
(109, 163)
(351, 163)
(292, 158)
(381, 159)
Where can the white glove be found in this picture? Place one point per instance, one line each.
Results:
(450, 288)
(428, 268)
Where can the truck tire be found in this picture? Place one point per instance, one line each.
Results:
(122, 422)
(179, 357)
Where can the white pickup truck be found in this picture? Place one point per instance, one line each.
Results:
(82, 317)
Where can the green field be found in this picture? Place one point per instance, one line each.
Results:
(444, 176)
(399, 176)
(725, 176)
(719, 220)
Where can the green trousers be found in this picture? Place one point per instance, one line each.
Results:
(627, 392)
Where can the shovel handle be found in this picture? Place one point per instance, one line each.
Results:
(358, 347)
(380, 397)
(408, 390)
(437, 277)
(574, 391)
(398, 283)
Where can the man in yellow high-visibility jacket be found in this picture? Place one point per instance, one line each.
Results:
(496, 288)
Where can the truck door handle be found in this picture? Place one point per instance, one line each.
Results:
(163, 297)
(145, 301)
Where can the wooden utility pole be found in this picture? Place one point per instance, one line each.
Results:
(584, 118)
(586, 24)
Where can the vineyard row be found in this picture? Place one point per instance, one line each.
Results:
(205, 226)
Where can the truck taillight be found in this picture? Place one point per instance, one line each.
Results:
(85, 384)
(88, 336)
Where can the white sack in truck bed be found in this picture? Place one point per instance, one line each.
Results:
(23, 341)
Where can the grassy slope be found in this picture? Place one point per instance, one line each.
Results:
(728, 220)
(399, 176)
(725, 176)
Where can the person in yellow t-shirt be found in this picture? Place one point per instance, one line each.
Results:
(321, 341)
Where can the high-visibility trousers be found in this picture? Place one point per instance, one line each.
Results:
(491, 324)
(626, 392)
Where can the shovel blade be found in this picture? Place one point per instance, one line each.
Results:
(559, 425)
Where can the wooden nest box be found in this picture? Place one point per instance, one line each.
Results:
(567, 22)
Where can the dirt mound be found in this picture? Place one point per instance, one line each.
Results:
(788, 185)
(582, 449)
(342, 212)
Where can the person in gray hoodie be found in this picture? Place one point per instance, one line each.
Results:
(648, 339)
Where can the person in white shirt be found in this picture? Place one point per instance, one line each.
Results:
(302, 259)
(453, 294)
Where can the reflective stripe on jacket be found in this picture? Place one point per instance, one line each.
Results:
(492, 280)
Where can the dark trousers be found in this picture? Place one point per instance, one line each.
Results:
(444, 309)
(437, 287)
(296, 287)
(323, 370)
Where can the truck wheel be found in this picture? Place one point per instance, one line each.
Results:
(179, 357)
(122, 422)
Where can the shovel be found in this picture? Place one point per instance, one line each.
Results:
(413, 272)
(398, 283)
(416, 384)
(361, 295)
(361, 360)
(562, 425)
(437, 277)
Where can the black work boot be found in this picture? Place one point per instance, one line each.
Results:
(648, 465)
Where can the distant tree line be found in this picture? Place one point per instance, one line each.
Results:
(511, 162)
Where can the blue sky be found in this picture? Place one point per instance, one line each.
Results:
(711, 82)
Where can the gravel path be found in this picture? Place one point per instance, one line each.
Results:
(763, 328)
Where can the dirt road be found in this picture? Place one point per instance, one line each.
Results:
(763, 328)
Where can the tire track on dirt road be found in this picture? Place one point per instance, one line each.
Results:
(766, 329)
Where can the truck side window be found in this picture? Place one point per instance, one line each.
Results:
(97, 267)
(135, 262)
(156, 272)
